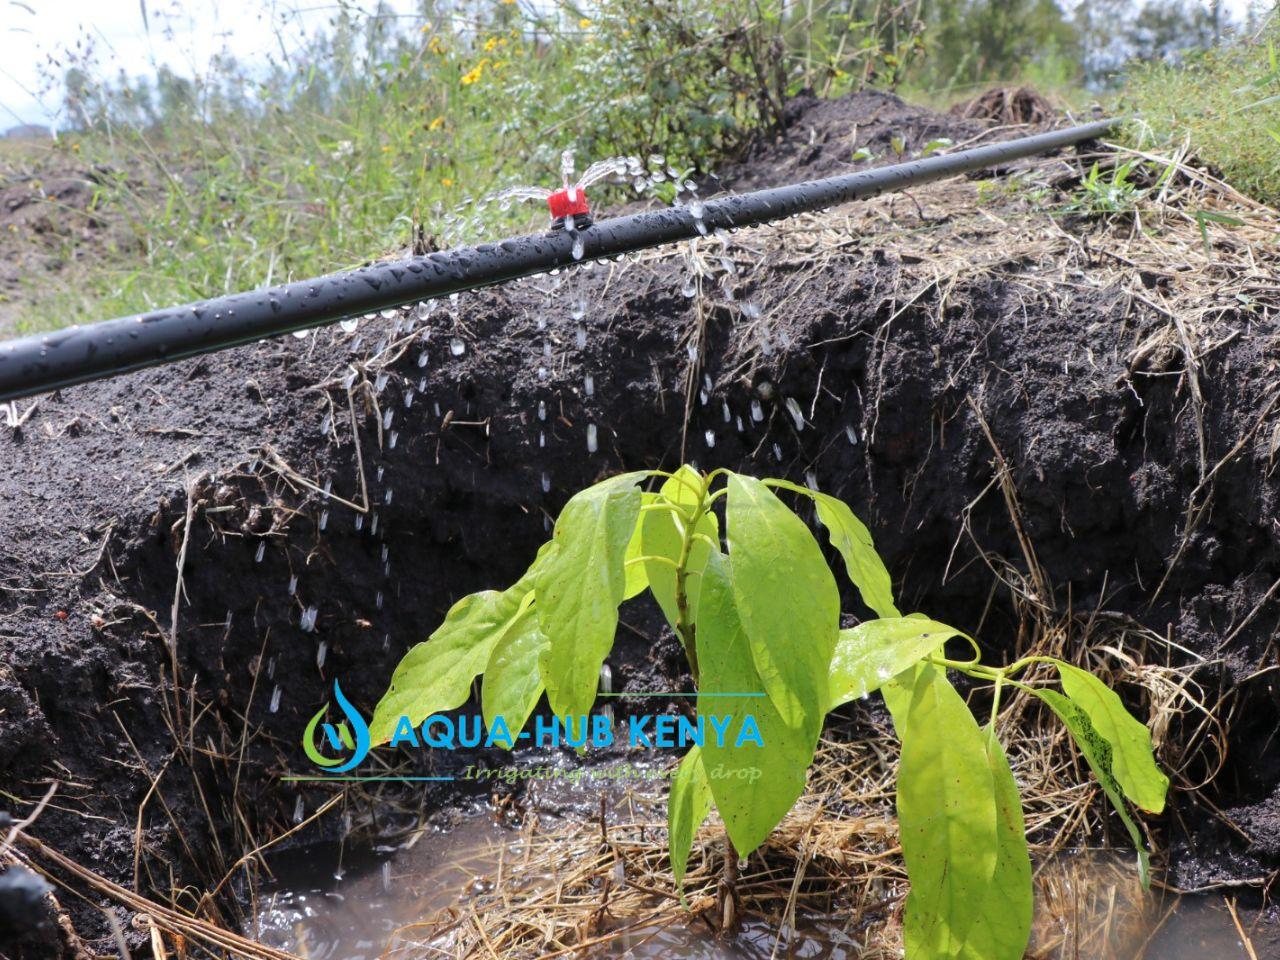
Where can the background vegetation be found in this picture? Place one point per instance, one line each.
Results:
(382, 125)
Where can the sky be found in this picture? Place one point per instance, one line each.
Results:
(181, 35)
(142, 35)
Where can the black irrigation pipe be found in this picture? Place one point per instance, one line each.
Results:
(44, 362)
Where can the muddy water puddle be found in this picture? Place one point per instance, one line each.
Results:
(326, 903)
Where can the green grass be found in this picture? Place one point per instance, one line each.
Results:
(1226, 101)
(378, 127)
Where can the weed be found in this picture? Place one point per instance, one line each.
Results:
(1100, 195)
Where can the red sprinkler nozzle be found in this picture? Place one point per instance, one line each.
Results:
(571, 201)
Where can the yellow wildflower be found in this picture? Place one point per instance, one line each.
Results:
(446, 181)
(584, 23)
(472, 75)
(436, 124)
(490, 44)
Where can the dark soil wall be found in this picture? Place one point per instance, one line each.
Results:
(1104, 457)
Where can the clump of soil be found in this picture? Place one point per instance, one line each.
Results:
(1053, 426)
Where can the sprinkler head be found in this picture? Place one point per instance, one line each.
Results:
(571, 201)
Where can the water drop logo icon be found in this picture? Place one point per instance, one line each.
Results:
(353, 736)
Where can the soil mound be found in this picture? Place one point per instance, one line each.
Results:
(1051, 423)
(1007, 105)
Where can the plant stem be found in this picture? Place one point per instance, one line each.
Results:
(685, 626)
(728, 888)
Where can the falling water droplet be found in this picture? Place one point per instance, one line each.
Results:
(851, 434)
(423, 359)
(322, 651)
(757, 412)
(386, 418)
(324, 519)
(391, 440)
(579, 248)
(542, 410)
(359, 522)
(581, 336)
(308, 619)
(349, 325)
(262, 549)
(690, 288)
(293, 585)
(408, 399)
(326, 425)
(299, 809)
(811, 480)
(777, 452)
(589, 385)
(727, 415)
(592, 438)
(386, 497)
(738, 423)
(271, 668)
(275, 700)
(546, 482)
(542, 439)
(378, 600)
(457, 347)
(386, 876)
(381, 381)
(711, 438)
(793, 408)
